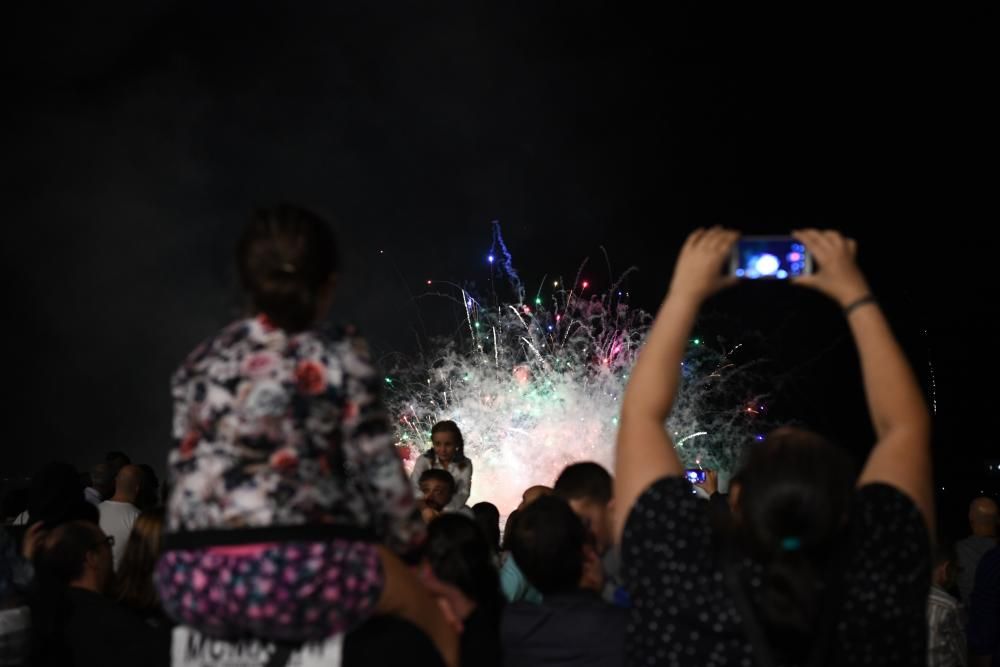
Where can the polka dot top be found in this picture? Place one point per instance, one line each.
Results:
(683, 612)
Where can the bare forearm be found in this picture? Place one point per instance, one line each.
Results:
(645, 452)
(894, 397)
(901, 456)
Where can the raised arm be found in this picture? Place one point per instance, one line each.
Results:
(644, 451)
(901, 456)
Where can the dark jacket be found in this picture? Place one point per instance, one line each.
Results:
(578, 629)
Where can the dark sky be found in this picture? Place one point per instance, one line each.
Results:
(139, 135)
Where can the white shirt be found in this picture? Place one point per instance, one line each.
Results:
(462, 474)
(946, 636)
(117, 520)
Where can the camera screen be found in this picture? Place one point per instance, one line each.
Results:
(695, 476)
(776, 258)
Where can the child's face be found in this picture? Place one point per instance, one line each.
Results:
(445, 445)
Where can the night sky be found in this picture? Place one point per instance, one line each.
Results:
(138, 136)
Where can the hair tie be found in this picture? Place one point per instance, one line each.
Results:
(791, 544)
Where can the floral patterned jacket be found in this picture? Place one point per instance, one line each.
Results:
(279, 430)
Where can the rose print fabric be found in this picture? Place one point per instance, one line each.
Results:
(285, 430)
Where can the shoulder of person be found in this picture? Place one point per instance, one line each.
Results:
(991, 558)
(879, 501)
(942, 598)
(966, 542)
(341, 335)
(346, 343)
(229, 335)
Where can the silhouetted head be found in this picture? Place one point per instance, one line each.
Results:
(791, 498)
(287, 260)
